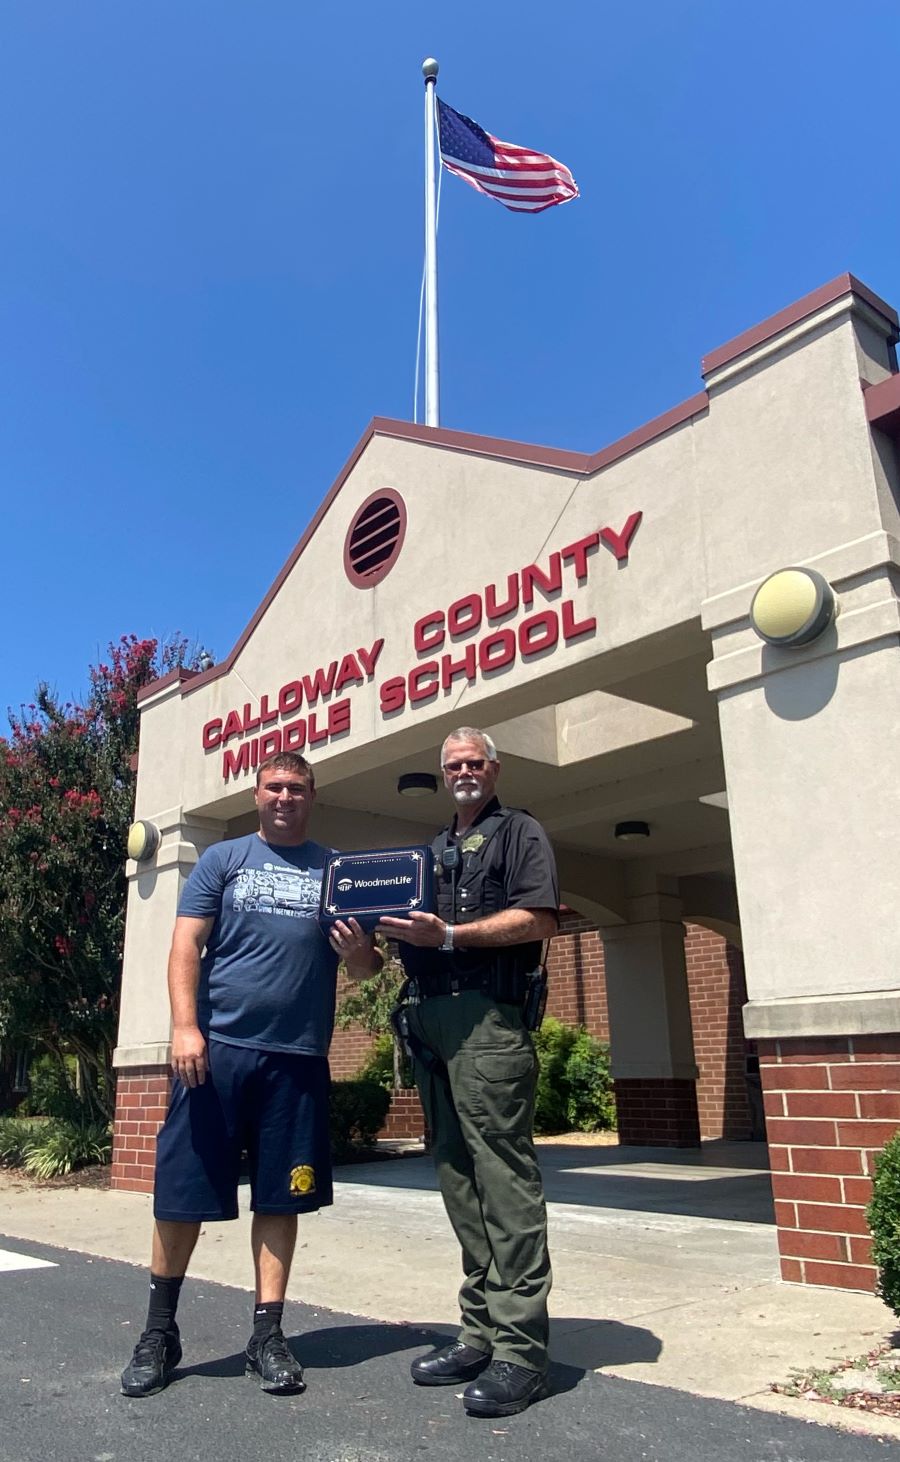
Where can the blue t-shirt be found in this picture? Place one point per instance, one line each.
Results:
(268, 975)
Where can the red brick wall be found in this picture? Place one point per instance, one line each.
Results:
(142, 1097)
(831, 1104)
(657, 1112)
(349, 1048)
(577, 986)
(718, 991)
(405, 1118)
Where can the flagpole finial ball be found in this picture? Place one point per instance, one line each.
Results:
(430, 69)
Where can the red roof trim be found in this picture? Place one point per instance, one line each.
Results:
(180, 673)
(883, 405)
(792, 315)
(581, 464)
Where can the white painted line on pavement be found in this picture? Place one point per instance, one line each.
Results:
(10, 1261)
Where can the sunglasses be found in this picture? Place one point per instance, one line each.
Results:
(477, 764)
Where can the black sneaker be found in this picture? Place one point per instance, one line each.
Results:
(503, 1389)
(271, 1360)
(150, 1368)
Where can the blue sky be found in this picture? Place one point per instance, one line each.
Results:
(210, 254)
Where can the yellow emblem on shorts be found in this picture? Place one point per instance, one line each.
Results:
(303, 1179)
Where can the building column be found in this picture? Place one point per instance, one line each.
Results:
(651, 1041)
(809, 737)
(141, 1058)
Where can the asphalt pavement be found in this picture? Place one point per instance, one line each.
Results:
(68, 1329)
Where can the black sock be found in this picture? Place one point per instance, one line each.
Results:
(267, 1317)
(163, 1303)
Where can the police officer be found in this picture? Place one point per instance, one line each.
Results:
(468, 968)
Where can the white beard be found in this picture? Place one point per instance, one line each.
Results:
(466, 795)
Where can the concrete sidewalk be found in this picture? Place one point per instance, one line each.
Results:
(665, 1265)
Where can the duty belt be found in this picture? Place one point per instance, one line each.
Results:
(425, 987)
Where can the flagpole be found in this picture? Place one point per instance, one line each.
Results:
(432, 364)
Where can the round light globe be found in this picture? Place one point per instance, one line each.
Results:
(143, 840)
(792, 607)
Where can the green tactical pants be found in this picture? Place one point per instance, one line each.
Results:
(479, 1105)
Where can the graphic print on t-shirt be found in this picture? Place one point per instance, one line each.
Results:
(277, 889)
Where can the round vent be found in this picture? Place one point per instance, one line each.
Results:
(374, 538)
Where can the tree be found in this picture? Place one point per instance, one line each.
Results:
(66, 801)
(370, 1001)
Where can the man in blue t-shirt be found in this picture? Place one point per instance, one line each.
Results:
(252, 989)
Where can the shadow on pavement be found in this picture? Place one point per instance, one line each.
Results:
(592, 1343)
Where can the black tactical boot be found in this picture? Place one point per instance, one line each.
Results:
(449, 1366)
(504, 1389)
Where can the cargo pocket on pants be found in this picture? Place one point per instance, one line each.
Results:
(503, 1093)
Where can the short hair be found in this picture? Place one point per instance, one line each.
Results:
(471, 733)
(286, 761)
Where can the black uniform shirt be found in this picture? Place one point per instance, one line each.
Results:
(513, 869)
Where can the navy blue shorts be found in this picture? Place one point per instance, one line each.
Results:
(271, 1105)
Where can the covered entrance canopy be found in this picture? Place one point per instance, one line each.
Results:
(593, 612)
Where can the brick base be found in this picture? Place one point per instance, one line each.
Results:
(657, 1112)
(405, 1118)
(831, 1104)
(142, 1097)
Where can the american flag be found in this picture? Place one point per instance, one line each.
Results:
(518, 178)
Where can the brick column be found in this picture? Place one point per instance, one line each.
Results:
(831, 1104)
(405, 1118)
(142, 1097)
(718, 992)
(651, 1041)
(657, 1112)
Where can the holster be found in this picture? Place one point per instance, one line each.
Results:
(535, 1002)
(413, 1048)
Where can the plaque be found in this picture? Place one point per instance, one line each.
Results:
(366, 886)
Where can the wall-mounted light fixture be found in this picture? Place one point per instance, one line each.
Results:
(417, 784)
(628, 832)
(143, 840)
(792, 607)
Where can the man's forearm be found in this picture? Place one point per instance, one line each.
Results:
(184, 982)
(510, 926)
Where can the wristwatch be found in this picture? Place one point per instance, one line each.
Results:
(448, 937)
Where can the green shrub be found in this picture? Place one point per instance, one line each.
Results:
(553, 1042)
(15, 1134)
(883, 1218)
(590, 1104)
(358, 1110)
(61, 1147)
(574, 1087)
(379, 1063)
(51, 1090)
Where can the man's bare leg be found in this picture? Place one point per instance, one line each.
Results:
(272, 1239)
(158, 1351)
(173, 1245)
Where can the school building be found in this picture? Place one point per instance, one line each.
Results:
(686, 646)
